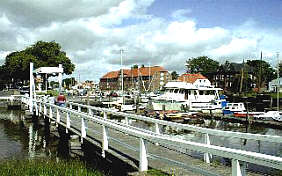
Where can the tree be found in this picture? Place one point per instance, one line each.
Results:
(42, 54)
(202, 64)
(174, 75)
(17, 65)
(263, 70)
(69, 82)
(135, 66)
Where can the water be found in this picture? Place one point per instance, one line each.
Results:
(20, 139)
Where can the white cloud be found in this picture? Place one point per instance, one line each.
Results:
(181, 14)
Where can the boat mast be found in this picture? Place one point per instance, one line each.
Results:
(149, 76)
(121, 51)
(278, 82)
(260, 70)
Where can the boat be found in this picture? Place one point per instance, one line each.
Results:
(278, 117)
(234, 108)
(270, 115)
(193, 96)
(246, 114)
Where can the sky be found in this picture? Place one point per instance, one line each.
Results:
(151, 32)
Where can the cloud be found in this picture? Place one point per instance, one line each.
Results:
(181, 14)
(93, 32)
(30, 13)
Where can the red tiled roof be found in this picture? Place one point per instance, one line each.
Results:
(191, 78)
(112, 74)
(143, 71)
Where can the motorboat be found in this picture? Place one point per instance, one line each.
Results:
(270, 115)
(234, 108)
(180, 95)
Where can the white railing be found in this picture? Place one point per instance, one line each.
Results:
(11, 98)
(156, 137)
(157, 122)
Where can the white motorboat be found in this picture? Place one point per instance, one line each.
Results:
(195, 97)
(270, 115)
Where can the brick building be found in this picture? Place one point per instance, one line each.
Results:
(143, 79)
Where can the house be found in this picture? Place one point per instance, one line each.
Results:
(229, 78)
(143, 78)
(272, 85)
(197, 80)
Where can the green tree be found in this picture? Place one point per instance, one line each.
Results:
(174, 75)
(263, 70)
(69, 82)
(17, 65)
(202, 64)
(42, 54)
(135, 66)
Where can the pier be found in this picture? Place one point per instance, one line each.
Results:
(145, 149)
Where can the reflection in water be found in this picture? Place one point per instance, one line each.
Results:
(22, 138)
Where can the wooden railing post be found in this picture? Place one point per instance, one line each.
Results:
(90, 112)
(50, 113)
(237, 170)
(207, 156)
(70, 105)
(83, 129)
(36, 109)
(44, 110)
(79, 108)
(126, 120)
(157, 128)
(143, 161)
(58, 117)
(40, 107)
(68, 122)
(105, 143)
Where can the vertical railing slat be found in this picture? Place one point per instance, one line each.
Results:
(105, 143)
(68, 122)
(207, 156)
(143, 161)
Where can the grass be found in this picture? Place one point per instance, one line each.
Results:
(154, 172)
(45, 167)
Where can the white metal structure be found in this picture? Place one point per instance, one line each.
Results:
(194, 96)
(66, 117)
(42, 70)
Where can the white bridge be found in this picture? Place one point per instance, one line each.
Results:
(92, 124)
